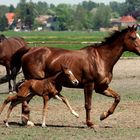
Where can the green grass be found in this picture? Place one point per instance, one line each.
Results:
(63, 39)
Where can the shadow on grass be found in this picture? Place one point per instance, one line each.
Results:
(47, 125)
(17, 124)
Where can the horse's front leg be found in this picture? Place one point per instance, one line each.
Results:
(113, 94)
(88, 102)
(45, 101)
(9, 78)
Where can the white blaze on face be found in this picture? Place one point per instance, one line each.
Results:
(138, 36)
(70, 72)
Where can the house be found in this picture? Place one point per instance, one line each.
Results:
(124, 21)
(45, 20)
(10, 18)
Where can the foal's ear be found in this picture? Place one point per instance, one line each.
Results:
(63, 67)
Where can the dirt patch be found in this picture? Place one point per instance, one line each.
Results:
(126, 82)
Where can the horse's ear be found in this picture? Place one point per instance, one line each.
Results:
(136, 26)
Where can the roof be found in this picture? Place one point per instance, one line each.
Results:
(127, 19)
(10, 17)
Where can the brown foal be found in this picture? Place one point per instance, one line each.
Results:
(47, 88)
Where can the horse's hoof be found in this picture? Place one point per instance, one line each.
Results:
(29, 123)
(103, 116)
(90, 124)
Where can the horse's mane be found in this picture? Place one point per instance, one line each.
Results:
(2, 37)
(110, 39)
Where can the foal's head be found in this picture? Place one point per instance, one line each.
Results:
(67, 73)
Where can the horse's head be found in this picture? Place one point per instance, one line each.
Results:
(132, 40)
(69, 75)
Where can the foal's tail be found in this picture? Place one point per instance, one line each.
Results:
(16, 60)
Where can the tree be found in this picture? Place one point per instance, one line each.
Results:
(89, 5)
(64, 15)
(25, 12)
(118, 9)
(133, 8)
(102, 16)
(3, 10)
(3, 23)
(11, 8)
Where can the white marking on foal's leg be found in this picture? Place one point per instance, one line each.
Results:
(58, 98)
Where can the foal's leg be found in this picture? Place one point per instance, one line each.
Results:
(15, 102)
(113, 94)
(45, 100)
(12, 105)
(65, 100)
(9, 99)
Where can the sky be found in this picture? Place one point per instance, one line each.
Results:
(14, 2)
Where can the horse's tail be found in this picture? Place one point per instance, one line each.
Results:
(16, 60)
(19, 84)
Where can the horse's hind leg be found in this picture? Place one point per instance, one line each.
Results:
(65, 100)
(113, 94)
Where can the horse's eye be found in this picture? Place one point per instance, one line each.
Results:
(133, 38)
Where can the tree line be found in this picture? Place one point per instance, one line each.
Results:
(87, 15)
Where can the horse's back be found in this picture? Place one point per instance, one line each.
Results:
(45, 61)
(8, 47)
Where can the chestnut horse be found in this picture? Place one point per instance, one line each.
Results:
(91, 65)
(47, 88)
(8, 47)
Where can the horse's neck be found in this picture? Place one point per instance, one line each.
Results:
(111, 53)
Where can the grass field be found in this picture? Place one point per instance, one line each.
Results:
(65, 39)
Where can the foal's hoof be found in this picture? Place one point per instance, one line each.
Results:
(6, 123)
(43, 125)
(103, 116)
(10, 92)
(75, 114)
